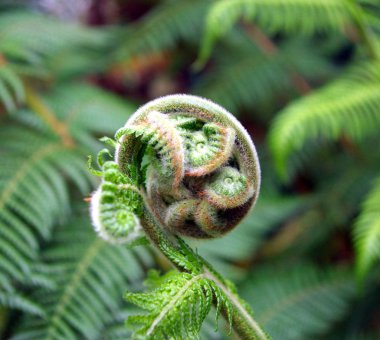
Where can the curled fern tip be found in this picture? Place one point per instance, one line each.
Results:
(202, 174)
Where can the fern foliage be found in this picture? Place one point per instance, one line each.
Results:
(177, 305)
(348, 106)
(36, 171)
(24, 36)
(33, 195)
(367, 232)
(302, 302)
(83, 109)
(11, 87)
(291, 16)
(116, 205)
(162, 28)
(253, 79)
(89, 275)
(33, 45)
(17, 301)
(59, 280)
(31, 38)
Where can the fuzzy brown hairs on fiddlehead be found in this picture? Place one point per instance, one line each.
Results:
(199, 166)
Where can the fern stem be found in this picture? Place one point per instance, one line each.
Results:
(243, 323)
(3, 61)
(44, 112)
(71, 287)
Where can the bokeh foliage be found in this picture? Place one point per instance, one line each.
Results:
(303, 77)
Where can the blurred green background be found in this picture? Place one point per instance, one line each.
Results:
(302, 76)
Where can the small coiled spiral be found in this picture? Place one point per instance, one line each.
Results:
(115, 206)
(197, 165)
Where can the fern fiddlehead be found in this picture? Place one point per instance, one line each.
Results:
(183, 166)
(116, 205)
(208, 170)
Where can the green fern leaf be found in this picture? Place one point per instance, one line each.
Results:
(33, 194)
(367, 232)
(162, 27)
(33, 37)
(90, 276)
(177, 305)
(11, 88)
(34, 45)
(19, 302)
(36, 166)
(252, 79)
(290, 16)
(349, 106)
(83, 107)
(301, 302)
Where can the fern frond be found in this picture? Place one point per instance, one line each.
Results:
(31, 37)
(176, 307)
(332, 206)
(90, 276)
(367, 232)
(17, 301)
(33, 44)
(252, 79)
(11, 87)
(162, 27)
(301, 302)
(290, 16)
(159, 132)
(33, 194)
(36, 165)
(349, 106)
(116, 205)
(81, 108)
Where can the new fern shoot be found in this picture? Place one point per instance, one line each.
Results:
(183, 166)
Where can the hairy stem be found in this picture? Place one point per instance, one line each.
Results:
(242, 322)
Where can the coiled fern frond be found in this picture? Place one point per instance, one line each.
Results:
(116, 206)
(196, 171)
(204, 174)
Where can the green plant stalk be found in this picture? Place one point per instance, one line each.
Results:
(242, 322)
